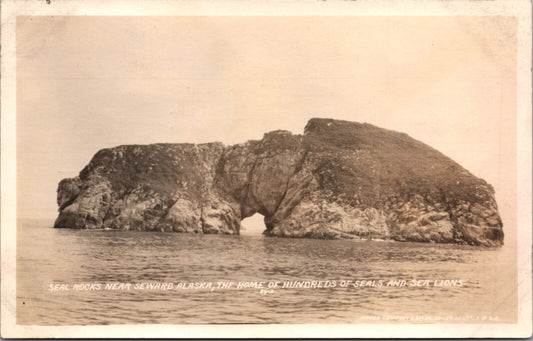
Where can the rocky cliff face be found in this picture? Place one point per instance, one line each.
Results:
(338, 180)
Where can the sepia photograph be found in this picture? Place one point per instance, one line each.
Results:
(266, 169)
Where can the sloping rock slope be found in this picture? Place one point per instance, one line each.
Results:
(339, 180)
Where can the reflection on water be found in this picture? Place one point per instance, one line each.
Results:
(61, 256)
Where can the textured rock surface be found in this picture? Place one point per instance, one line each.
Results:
(338, 180)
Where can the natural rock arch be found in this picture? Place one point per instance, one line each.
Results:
(253, 225)
(338, 180)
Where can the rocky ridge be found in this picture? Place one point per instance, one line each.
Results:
(338, 180)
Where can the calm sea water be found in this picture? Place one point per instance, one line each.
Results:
(48, 256)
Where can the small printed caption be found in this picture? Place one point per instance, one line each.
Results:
(263, 287)
(436, 318)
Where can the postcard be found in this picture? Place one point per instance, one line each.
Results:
(185, 169)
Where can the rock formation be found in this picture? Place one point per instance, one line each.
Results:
(339, 180)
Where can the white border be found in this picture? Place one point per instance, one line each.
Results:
(12, 8)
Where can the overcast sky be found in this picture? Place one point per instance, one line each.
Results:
(86, 83)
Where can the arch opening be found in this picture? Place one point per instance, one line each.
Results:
(253, 225)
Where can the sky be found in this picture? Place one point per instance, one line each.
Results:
(86, 83)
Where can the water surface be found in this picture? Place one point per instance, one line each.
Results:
(61, 256)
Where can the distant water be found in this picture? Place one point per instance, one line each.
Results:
(61, 256)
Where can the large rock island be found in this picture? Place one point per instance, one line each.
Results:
(338, 180)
